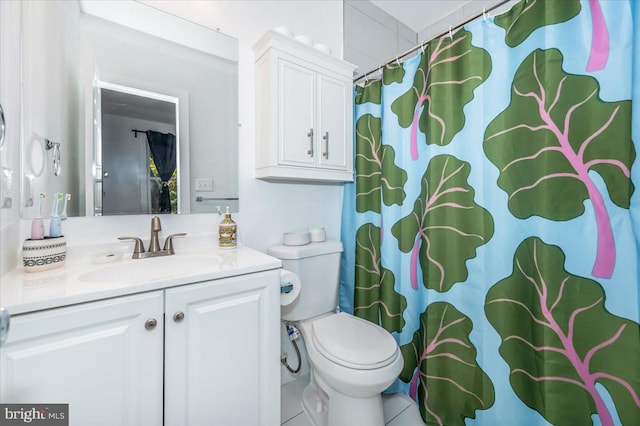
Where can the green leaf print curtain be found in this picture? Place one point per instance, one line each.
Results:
(493, 224)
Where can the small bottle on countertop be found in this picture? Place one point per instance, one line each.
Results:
(227, 232)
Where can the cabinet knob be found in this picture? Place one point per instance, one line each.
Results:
(178, 316)
(310, 151)
(150, 324)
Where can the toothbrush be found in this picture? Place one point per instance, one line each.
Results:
(56, 204)
(63, 215)
(37, 227)
(41, 197)
(55, 230)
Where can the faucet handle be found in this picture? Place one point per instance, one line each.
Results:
(168, 243)
(139, 247)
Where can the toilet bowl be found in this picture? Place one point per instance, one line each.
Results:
(352, 360)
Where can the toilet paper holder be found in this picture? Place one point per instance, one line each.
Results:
(289, 287)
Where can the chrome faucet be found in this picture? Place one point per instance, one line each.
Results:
(154, 244)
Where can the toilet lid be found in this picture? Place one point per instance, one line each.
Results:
(354, 342)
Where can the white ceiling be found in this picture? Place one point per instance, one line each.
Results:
(419, 14)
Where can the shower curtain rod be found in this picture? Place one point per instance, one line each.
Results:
(418, 46)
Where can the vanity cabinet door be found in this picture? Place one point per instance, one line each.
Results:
(103, 358)
(222, 352)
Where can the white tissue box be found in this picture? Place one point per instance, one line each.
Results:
(41, 255)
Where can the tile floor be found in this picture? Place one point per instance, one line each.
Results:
(399, 409)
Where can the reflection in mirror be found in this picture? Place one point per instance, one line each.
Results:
(92, 70)
(136, 175)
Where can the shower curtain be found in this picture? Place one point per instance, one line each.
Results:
(492, 226)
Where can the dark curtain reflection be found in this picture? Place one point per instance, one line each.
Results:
(163, 152)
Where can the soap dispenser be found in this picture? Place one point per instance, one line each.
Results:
(227, 232)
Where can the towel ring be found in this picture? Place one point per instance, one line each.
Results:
(55, 154)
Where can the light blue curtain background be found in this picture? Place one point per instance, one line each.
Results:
(493, 262)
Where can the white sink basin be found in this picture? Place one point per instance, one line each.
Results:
(151, 269)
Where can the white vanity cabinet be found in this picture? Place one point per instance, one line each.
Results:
(221, 352)
(304, 112)
(103, 358)
(197, 354)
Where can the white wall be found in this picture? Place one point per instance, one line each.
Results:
(10, 151)
(372, 36)
(51, 92)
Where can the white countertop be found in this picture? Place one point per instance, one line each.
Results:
(198, 258)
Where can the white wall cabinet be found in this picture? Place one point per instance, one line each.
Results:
(214, 356)
(304, 112)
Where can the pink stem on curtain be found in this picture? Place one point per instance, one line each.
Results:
(413, 389)
(414, 263)
(606, 252)
(599, 40)
(414, 128)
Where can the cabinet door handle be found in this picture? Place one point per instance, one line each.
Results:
(5, 322)
(310, 151)
(150, 324)
(325, 154)
(178, 316)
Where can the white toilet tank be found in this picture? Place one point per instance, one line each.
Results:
(317, 265)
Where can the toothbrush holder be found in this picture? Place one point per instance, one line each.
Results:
(42, 255)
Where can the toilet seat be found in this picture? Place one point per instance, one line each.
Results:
(353, 342)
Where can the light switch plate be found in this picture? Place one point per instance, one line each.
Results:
(204, 184)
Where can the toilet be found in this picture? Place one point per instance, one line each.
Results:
(352, 360)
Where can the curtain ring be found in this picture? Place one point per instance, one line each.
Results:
(450, 33)
(398, 60)
(485, 16)
(422, 48)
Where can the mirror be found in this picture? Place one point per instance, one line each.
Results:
(136, 175)
(95, 71)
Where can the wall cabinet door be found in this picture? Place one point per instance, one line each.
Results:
(102, 358)
(222, 352)
(334, 104)
(297, 115)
